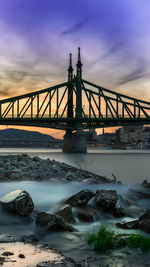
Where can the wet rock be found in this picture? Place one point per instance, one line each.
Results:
(119, 212)
(66, 213)
(18, 202)
(52, 222)
(106, 199)
(144, 221)
(128, 225)
(85, 215)
(80, 198)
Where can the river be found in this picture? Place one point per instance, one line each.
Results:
(129, 166)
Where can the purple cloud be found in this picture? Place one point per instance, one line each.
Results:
(37, 36)
(79, 25)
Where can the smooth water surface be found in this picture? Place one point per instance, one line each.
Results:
(50, 196)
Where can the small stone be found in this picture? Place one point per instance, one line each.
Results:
(70, 177)
(128, 225)
(22, 256)
(2, 260)
(7, 253)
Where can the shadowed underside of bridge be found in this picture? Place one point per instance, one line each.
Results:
(74, 105)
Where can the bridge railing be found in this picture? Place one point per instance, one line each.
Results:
(86, 116)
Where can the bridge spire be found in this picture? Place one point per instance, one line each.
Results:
(79, 65)
(70, 69)
(70, 90)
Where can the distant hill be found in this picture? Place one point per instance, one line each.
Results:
(9, 134)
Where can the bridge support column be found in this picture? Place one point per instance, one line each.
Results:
(74, 143)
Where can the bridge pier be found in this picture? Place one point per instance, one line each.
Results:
(74, 143)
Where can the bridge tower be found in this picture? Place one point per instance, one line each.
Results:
(75, 142)
(78, 87)
(70, 89)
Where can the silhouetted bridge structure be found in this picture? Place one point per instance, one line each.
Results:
(74, 106)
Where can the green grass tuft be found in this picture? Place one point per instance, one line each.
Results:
(104, 240)
(138, 241)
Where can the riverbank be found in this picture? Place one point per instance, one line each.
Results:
(102, 162)
(52, 185)
(43, 256)
(26, 168)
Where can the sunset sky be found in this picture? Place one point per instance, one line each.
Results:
(36, 37)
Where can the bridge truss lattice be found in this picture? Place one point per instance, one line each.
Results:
(73, 105)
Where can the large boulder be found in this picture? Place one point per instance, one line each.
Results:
(144, 221)
(106, 199)
(18, 202)
(66, 213)
(80, 198)
(52, 222)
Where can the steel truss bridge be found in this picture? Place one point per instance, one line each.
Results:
(74, 105)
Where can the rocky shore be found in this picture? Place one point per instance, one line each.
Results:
(25, 168)
(56, 233)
